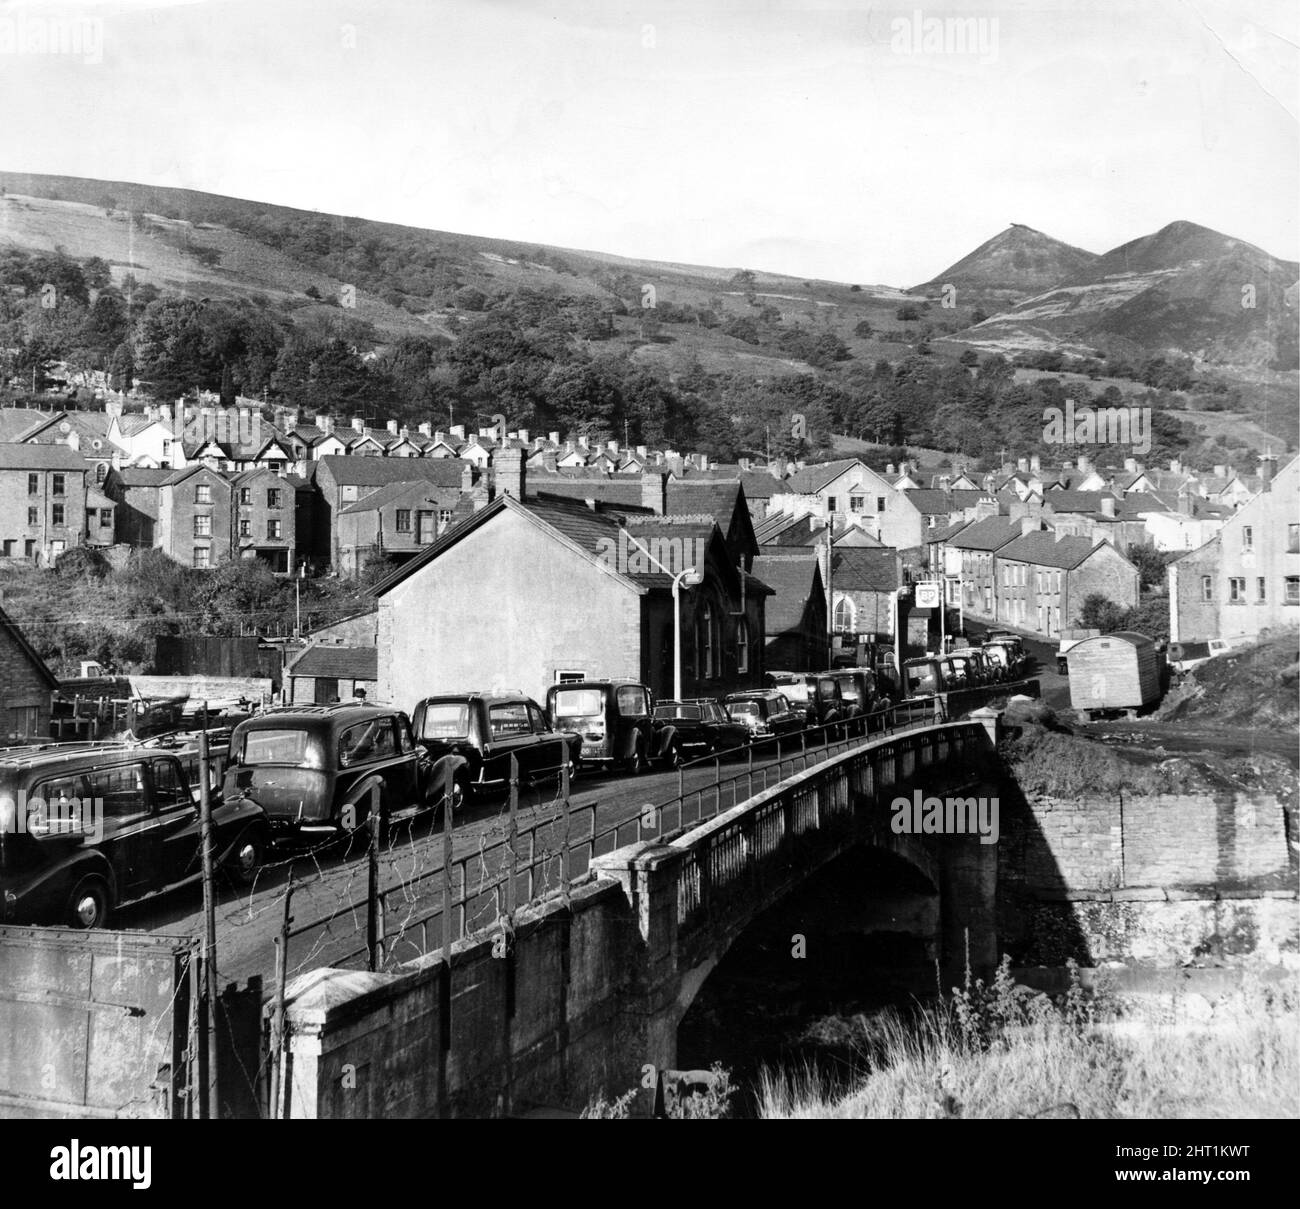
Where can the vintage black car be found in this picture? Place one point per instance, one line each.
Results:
(315, 770)
(615, 721)
(87, 827)
(814, 696)
(862, 694)
(766, 713)
(485, 730)
(703, 727)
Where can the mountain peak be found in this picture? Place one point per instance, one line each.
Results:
(1018, 260)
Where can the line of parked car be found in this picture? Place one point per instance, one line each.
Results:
(88, 827)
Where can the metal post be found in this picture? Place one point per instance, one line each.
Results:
(277, 1021)
(512, 836)
(565, 866)
(448, 787)
(374, 934)
(209, 919)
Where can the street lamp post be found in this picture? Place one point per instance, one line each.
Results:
(692, 578)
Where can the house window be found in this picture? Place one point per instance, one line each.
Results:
(1207, 587)
(444, 517)
(101, 471)
(202, 526)
(246, 495)
(29, 548)
(273, 497)
(57, 483)
(245, 528)
(704, 646)
(56, 514)
(273, 530)
(569, 677)
(1236, 590)
(203, 493)
(856, 503)
(880, 503)
(742, 645)
(403, 520)
(9, 547)
(1247, 537)
(1261, 592)
(1292, 593)
(33, 484)
(33, 517)
(1293, 539)
(832, 504)
(845, 620)
(202, 556)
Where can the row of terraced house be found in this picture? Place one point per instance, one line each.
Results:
(839, 538)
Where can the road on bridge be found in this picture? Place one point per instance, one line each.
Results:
(329, 881)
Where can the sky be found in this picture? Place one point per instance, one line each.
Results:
(853, 141)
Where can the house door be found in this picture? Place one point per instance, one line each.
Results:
(424, 527)
(327, 690)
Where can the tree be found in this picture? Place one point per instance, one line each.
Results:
(1150, 564)
(907, 313)
(862, 329)
(1101, 613)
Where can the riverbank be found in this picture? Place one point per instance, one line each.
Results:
(1005, 1051)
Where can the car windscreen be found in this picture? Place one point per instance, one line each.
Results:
(445, 720)
(746, 709)
(579, 703)
(287, 746)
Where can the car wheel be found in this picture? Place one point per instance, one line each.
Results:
(636, 762)
(89, 904)
(248, 857)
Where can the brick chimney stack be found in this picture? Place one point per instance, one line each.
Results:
(510, 472)
(654, 491)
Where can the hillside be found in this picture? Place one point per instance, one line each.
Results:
(1184, 291)
(1014, 263)
(407, 279)
(173, 290)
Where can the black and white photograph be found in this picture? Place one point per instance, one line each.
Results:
(649, 559)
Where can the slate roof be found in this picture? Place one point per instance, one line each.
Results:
(1046, 549)
(617, 491)
(142, 476)
(991, 533)
(379, 472)
(1077, 501)
(791, 578)
(863, 569)
(717, 498)
(337, 663)
(812, 479)
(930, 502)
(385, 496)
(15, 422)
(19, 639)
(16, 456)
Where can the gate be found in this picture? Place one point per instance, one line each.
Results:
(111, 1024)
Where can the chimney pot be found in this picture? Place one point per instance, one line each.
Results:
(392, 427)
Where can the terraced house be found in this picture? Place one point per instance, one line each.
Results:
(1043, 578)
(42, 501)
(1246, 579)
